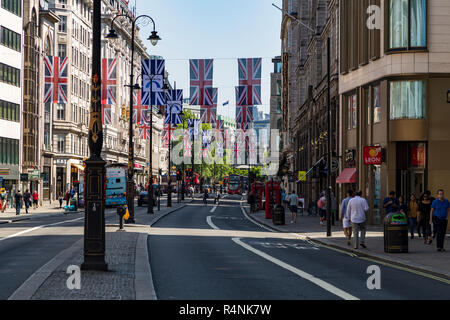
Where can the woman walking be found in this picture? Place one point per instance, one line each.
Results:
(424, 216)
(412, 214)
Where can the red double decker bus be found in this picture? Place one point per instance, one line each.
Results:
(234, 184)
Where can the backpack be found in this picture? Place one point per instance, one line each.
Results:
(320, 203)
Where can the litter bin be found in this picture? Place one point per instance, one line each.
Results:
(396, 233)
(278, 215)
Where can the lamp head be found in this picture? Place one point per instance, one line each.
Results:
(154, 38)
(112, 35)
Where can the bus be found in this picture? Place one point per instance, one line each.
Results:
(234, 184)
(116, 184)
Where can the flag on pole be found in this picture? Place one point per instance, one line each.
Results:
(174, 106)
(55, 80)
(201, 75)
(226, 103)
(208, 113)
(153, 78)
(109, 81)
(250, 77)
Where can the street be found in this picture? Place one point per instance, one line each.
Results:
(220, 255)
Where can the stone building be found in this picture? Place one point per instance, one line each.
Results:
(311, 117)
(393, 87)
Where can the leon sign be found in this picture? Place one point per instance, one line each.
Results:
(372, 155)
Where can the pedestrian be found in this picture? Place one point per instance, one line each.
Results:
(293, 203)
(333, 207)
(252, 202)
(67, 198)
(217, 197)
(284, 201)
(346, 223)
(440, 208)
(61, 199)
(356, 210)
(412, 213)
(27, 200)
(322, 205)
(433, 225)
(18, 197)
(3, 199)
(402, 207)
(205, 197)
(390, 204)
(35, 199)
(425, 217)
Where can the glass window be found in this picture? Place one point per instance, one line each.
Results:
(62, 25)
(354, 111)
(62, 50)
(407, 23)
(407, 100)
(376, 104)
(61, 111)
(14, 6)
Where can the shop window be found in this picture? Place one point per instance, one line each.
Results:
(376, 104)
(407, 100)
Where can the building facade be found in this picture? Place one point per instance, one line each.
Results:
(393, 90)
(275, 97)
(311, 118)
(11, 91)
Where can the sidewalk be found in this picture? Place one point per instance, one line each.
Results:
(128, 276)
(420, 256)
(46, 210)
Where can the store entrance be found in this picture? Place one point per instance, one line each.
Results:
(413, 182)
(411, 169)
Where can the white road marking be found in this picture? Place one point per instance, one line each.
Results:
(319, 282)
(213, 209)
(211, 224)
(36, 228)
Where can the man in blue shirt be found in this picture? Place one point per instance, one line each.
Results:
(390, 204)
(440, 208)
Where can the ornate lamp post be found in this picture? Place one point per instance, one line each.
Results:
(94, 223)
(154, 38)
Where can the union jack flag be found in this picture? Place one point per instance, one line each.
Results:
(55, 89)
(244, 116)
(168, 132)
(250, 78)
(206, 143)
(139, 111)
(220, 150)
(201, 75)
(209, 112)
(144, 131)
(194, 125)
(187, 143)
(153, 78)
(109, 81)
(174, 107)
(106, 114)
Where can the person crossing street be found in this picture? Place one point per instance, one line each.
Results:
(356, 210)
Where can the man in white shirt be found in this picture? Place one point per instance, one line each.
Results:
(356, 211)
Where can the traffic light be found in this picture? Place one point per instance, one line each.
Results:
(179, 178)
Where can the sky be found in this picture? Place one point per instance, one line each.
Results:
(221, 29)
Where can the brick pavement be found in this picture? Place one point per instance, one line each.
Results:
(123, 250)
(420, 256)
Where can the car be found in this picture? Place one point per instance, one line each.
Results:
(143, 197)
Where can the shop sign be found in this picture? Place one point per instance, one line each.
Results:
(372, 155)
(302, 175)
(23, 177)
(418, 156)
(4, 172)
(35, 175)
(61, 162)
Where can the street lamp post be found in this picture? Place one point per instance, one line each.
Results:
(154, 38)
(94, 223)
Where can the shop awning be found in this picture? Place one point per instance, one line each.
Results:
(347, 175)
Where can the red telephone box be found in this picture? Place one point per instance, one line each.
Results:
(258, 189)
(273, 196)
